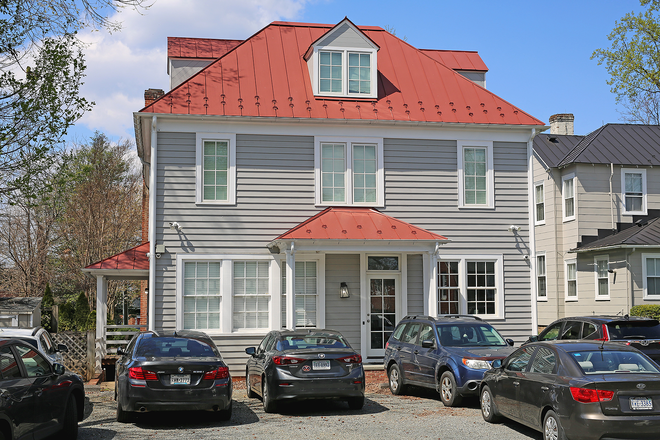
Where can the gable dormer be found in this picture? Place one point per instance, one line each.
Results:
(343, 63)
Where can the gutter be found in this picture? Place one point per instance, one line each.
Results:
(532, 231)
(615, 246)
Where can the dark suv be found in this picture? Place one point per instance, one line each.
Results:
(449, 353)
(641, 333)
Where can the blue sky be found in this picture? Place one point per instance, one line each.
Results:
(538, 52)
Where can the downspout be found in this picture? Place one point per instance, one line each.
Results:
(532, 231)
(152, 226)
(611, 195)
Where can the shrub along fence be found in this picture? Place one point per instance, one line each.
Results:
(646, 310)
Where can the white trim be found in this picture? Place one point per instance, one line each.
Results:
(498, 259)
(545, 274)
(348, 177)
(641, 171)
(598, 258)
(231, 171)
(648, 297)
(563, 199)
(151, 233)
(538, 222)
(490, 174)
(566, 297)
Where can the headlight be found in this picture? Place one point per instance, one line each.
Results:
(476, 364)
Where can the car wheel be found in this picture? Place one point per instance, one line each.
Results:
(122, 416)
(488, 408)
(552, 429)
(355, 402)
(225, 414)
(396, 380)
(250, 393)
(269, 403)
(448, 390)
(70, 425)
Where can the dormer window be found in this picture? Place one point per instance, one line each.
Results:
(342, 63)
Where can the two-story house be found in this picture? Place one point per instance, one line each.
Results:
(596, 198)
(334, 176)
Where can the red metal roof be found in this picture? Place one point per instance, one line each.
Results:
(357, 224)
(266, 76)
(458, 59)
(135, 258)
(199, 47)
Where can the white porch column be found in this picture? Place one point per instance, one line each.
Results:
(101, 320)
(290, 287)
(431, 283)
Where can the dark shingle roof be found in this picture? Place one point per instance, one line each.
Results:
(620, 144)
(642, 233)
(20, 304)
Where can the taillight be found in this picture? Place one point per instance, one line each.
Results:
(220, 373)
(588, 395)
(606, 334)
(287, 360)
(353, 359)
(387, 344)
(139, 373)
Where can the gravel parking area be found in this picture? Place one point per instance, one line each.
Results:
(420, 415)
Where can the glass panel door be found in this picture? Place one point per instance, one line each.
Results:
(381, 316)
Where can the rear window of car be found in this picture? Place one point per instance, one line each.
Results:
(469, 335)
(297, 342)
(634, 329)
(610, 362)
(173, 347)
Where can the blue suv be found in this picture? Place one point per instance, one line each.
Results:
(449, 353)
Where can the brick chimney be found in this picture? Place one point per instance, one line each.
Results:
(151, 95)
(562, 123)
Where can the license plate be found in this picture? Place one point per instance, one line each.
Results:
(180, 379)
(320, 365)
(642, 403)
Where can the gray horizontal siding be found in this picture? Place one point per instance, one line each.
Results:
(343, 314)
(415, 285)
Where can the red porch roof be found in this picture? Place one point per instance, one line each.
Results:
(267, 76)
(357, 224)
(134, 258)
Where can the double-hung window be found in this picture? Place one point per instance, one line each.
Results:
(541, 280)
(201, 295)
(349, 172)
(571, 280)
(251, 295)
(475, 174)
(633, 182)
(601, 265)
(216, 168)
(651, 275)
(568, 197)
(345, 72)
(448, 288)
(539, 201)
(307, 294)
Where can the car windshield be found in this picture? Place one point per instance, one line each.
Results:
(311, 341)
(173, 347)
(455, 335)
(609, 361)
(634, 329)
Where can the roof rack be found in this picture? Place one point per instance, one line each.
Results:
(476, 318)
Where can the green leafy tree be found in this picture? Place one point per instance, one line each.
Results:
(633, 63)
(82, 312)
(47, 303)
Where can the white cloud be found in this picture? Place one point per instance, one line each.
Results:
(121, 66)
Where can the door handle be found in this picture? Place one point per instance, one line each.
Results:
(368, 320)
(398, 347)
(516, 383)
(545, 388)
(416, 352)
(38, 393)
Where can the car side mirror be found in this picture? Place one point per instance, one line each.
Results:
(510, 342)
(121, 351)
(59, 369)
(427, 343)
(533, 338)
(251, 351)
(62, 348)
(497, 363)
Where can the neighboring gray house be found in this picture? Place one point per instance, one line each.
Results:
(596, 197)
(334, 176)
(20, 312)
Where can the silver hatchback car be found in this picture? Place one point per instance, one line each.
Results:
(39, 338)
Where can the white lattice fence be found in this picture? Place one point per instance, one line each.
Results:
(78, 358)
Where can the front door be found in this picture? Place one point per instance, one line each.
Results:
(381, 312)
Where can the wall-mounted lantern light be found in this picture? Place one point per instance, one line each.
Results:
(343, 290)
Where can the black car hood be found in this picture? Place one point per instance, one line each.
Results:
(488, 352)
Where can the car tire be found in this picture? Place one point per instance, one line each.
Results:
(248, 389)
(448, 390)
(122, 416)
(488, 408)
(552, 429)
(269, 403)
(395, 379)
(225, 414)
(355, 402)
(70, 422)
